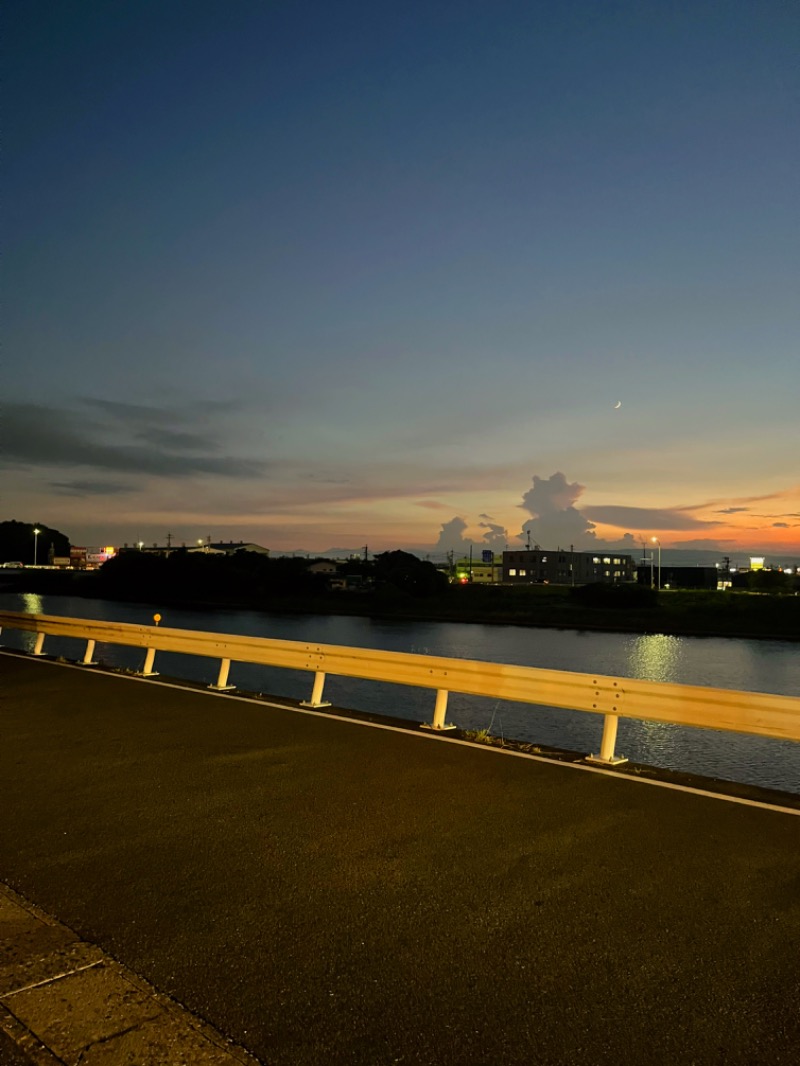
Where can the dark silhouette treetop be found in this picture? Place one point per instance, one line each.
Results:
(17, 542)
(409, 574)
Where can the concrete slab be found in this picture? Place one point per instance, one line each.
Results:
(156, 1043)
(62, 1001)
(74, 1012)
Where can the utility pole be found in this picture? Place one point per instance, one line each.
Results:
(366, 553)
(169, 541)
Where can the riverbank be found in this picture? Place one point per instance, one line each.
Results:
(693, 613)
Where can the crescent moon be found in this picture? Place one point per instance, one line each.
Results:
(618, 404)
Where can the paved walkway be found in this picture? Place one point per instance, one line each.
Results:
(321, 892)
(65, 1001)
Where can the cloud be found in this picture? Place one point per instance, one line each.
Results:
(732, 510)
(451, 536)
(555, 520)
(432, 505)
(702, 544)
(35, 435)
(646, 518)
(781, 525)
(147, 415)
(496, 537)
(89, 488)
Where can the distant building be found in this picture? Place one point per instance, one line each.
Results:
(323, 566)
(222, 547)
(540, 566)
(485, 572)
(683, 577)
(230, 547)
(90, 558)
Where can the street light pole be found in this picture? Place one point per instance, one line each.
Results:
(36, 533)
(655, 540)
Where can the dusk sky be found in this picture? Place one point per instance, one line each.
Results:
(420, 274)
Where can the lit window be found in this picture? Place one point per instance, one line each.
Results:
(616, 562)
(523, 573)
(596, 559)
(607, 561)
(512, 573)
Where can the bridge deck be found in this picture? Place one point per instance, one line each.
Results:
(326, 892)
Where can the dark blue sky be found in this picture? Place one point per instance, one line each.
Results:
(348, 270)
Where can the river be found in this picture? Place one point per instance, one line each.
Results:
(749, 665)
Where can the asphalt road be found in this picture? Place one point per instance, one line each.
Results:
(324, 892)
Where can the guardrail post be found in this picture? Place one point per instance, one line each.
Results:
(316, 696)
(87, 658)
(37, 647)
(607, 756)
(148, 670)
(439, 712)
(222, 681)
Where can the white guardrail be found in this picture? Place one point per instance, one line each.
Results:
(758, 713)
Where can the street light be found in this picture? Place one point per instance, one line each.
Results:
(655, 540)
(36, 533)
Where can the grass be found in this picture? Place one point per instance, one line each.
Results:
(483, 736)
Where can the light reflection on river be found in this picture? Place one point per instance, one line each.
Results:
(756, 666)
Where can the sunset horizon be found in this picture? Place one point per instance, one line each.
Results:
(407, 277)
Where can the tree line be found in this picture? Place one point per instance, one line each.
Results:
(251, 577)
(19, 543)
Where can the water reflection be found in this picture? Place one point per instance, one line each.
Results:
(32, 603)
(655, 657)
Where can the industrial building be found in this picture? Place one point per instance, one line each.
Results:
(539, 566)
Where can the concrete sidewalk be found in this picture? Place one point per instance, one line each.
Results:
(325, 892)
(65, 1001)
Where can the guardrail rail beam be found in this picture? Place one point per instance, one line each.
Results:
(761, 714)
